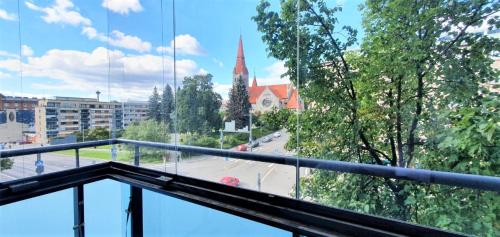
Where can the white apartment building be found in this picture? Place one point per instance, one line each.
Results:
(134, 111)
(63, 116)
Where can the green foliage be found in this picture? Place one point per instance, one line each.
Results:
(6, 164)
(148, 130)
(389, 103)
(238, 107)
(167, 106)
(155, 107)
(276, 119)
(93, 134)
(198, 105)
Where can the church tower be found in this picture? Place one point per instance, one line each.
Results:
(240, 69)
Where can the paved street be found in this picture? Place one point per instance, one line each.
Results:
(276, 179)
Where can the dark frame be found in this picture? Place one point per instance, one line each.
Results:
(298, 217)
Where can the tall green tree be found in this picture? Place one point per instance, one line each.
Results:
(198, 105)
(155, 106)
(167, 106)
(238, 108)
(384, 104)
(148, 130)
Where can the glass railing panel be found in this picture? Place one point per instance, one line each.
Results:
(32, 165)
(168, 216)
(106, 203)
(446, 207)
(46, 215)
(226, 101)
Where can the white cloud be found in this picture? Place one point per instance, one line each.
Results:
(202, 71)
(62, 11)
(7, 16)
(26, 51)
(185, 44)
(8, 55)
(132, 76)
(222, 89)
(118, 39)
(122, 6)
(218, 62)
(4, 75)
(17, 93)
(274, 75)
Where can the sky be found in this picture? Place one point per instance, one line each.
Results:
(65, 48)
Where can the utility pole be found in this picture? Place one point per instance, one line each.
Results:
(250, 130)
(258, 181)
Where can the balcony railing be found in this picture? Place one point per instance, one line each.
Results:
(299, 217)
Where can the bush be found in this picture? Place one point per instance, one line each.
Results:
(206, 141)
(148, 130)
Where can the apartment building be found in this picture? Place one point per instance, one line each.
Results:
(63, 116)
(134, 111)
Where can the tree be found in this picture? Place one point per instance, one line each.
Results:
(167, 106)
(383, 104)
(155, 106)
(198, 105)
(93, 134)
(6, 164)
(238, 108)
(276, 118)
(148, 130)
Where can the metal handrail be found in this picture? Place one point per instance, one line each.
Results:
(480, 182)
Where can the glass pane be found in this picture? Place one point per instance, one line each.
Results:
(46, 215)
(167, 216)
(106, 203)
(227, 101)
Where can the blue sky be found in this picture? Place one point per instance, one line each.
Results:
(64, 45)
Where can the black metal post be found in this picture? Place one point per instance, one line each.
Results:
(137, 155)
(136, 199)
(77, 158)
(136, 215)
(79, 220)
(78, 204)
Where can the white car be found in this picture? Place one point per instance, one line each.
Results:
(277, 134)
(267, 139)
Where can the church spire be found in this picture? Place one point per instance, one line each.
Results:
(240, 67)
(254, 81)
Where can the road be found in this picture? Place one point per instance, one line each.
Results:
(274, 178)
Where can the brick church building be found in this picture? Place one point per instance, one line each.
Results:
(264, 98)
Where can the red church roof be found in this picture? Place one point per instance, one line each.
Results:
(292, 102)
(280, 91)
(240, 60)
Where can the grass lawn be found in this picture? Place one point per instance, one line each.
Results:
(123, 155)
(102, 153)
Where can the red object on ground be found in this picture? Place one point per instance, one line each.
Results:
(242, 147)
(231, 181)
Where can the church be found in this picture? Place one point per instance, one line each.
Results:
(264, 98)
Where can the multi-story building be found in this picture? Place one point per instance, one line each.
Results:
(24, 108)
(17, 118)
(134, 111)
(63, 116)
(17, 103)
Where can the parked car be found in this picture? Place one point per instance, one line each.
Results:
(242, 147)
(267, 139)
(229, 180)
(277, 134)
(253, 144)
